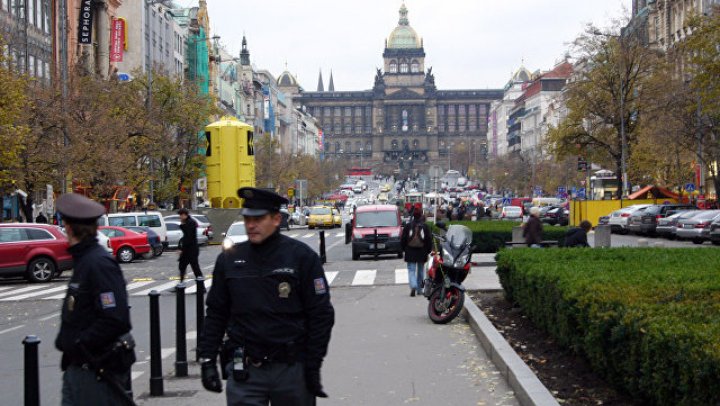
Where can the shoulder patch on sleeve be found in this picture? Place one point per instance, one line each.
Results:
(107, 300)
(320, 288)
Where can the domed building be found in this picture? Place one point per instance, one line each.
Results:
(404, 122)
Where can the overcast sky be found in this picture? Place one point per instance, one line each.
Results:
(471, 44)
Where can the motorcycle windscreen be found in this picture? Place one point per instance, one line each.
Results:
(456, 248)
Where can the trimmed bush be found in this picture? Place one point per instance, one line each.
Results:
(647, 320)
(489, 236)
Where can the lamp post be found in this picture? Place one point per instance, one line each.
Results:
(361, 156)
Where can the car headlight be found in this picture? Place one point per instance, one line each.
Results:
(357, 235)
(395, 234)
(227, 243)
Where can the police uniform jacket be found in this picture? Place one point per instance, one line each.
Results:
(95, 311)
(269, 296)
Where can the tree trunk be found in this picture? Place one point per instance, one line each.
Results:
(618, 175)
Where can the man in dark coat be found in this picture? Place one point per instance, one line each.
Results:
(416, 242)
(189, 249)
(577, 236)
(95, 312)
(533, 229)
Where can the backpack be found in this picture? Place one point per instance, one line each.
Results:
(416, 240)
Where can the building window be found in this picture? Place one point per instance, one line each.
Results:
(338, 148)
(404, 68)
(348, 148)
(394, 145)
(415, 67)
(348, 111)
(393, 67)
(358, 146)
(368, 146)
(416, 144)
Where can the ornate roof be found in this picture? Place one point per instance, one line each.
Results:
(287, 79)
(403, 36)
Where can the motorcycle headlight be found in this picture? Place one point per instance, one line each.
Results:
(227, 243)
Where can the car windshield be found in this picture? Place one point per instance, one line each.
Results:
(237, 229)
(320, 211)
(376, 219)
(201, 218)
(708, 215)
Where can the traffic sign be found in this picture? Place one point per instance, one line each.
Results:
(690, 187)
(561, 189)
(581, 193)
(506, 201)
(291, 192)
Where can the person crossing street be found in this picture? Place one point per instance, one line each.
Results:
(416, 242)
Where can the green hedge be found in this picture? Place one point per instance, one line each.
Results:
(491, 235)
(647, 319)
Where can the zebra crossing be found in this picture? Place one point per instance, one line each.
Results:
(328, 233)
(141, 287)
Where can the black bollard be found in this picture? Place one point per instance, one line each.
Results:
(323, 257)
(181, 367)
(376, 244)
(156, 378)
(32, 371)
(199, 311)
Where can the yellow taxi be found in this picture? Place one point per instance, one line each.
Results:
(324, 216)
(385, 187)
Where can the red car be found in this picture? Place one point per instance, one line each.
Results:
(35, 251)
(126, 244)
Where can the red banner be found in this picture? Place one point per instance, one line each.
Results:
(117, 39)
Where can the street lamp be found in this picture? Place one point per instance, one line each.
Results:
(361, 156)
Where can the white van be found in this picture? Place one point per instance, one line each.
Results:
(152, 219)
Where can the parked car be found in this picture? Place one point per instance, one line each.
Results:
(645, 221)
(691, 228)
(235, 235)
(603, 220)
(511, 213)
(714, 233)
(202, 221)
(153, 239)
(555, 216)
(619, 218)
(284, 219)
(297, 218)
(152, 219)
(666, 227)
(126, 244)
(36, 251)
(324, 216)
(174, 234)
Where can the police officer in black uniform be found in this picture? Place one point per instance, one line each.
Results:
(94, 314)
(270, 297)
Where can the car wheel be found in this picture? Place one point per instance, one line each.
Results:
(311, 227)
(400, 254)
(716, 243)
(158, 250)
(41, 269)
(698, 241)
(125, 255)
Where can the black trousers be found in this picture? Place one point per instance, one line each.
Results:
(278, 384)
(189, 257)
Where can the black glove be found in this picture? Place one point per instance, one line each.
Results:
(210, 376)
(312, 382)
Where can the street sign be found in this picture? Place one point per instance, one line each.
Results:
(506, 201)
(124, 77)
(301, 188)
(690, 187)
(561, 189)
(581, 193)
(291, 192)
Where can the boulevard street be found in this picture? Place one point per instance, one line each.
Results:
(381, 348)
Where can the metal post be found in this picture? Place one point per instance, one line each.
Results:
(199, 310)
(323, 256)
(32, 371)
(156, 378)
(375, 241)
(181, 367)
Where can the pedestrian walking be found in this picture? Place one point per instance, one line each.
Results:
(95, 314)
(41, 219)
(416, 243)
(577, 236)
(189, 249)
(533, 229)
(271, 298)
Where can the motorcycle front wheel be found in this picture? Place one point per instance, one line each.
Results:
(443, 309)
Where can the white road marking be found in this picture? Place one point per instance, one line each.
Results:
(137, 374)
(208, 267)
(295, 235)
(340, 234)
(191, 335)
(12, 329)
(364, 277)
(25, 289)
(139, 284)
(308, 235)
(33, 294)
(166, 352)
(5, 288)
(330, 276)
(159, 288)
(46, 318)
(401, 276)
(193, 288)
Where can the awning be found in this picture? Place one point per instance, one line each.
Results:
(652, 192)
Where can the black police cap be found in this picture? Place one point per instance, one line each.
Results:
(78, 208)
(258, 202)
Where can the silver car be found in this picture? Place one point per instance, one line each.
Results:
(667, 227)
(619, 218)
(235, 235)
(202, 221)
(691, 228)
(174, 234)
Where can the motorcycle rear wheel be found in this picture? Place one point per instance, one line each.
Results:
(444, 316)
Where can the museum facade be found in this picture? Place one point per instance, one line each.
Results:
(404, 122)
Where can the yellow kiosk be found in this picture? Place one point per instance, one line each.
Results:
(230, 161)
